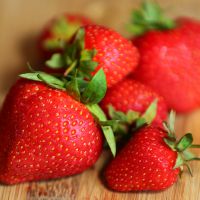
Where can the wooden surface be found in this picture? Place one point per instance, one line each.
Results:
(20, 22)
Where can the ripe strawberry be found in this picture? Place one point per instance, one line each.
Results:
(170, 60)
(45, 134)
(145, 163)
(113, 53)
(61, 28)
(132, 95)
(151, 160)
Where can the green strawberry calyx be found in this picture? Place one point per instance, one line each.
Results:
(125, 123)
(74, 56)
(149, 17)
(61, 29)
(181, 146)
(77, 80)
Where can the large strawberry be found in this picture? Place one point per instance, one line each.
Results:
(170, 57)
(151, 160)
(130, 95)
(113, 53)
(45, 134)
(60, 28)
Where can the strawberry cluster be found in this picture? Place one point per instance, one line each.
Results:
(98, 85)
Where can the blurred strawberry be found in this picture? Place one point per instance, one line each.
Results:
(131, 95)
(59, 29)
(170, 56)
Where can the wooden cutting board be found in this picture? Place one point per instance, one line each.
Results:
(20, 22)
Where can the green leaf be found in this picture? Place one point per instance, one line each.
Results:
(63, 29)
(179, 161)
(184, 142)
(151, 11)
(73, 88)
(188, 155)
(149, 17)
(150, 113)
(56, 61)
(82, 84)
(107, 130)
(53, 43)
(96, 88)
(80, 38)
(140, 122)
(88, 66)
(132, 116)
(110, 138)
(51, 81)
(60, 27)
(136, 29)
(88, 54)
(71, 53)
(171, 121)
(169, 126)
(31, 76)
(170, 143)
(97, 112)
(116, 115)
(165, 125)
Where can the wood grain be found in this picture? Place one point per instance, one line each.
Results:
(20, 22)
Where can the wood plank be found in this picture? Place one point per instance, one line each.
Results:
(21, 22)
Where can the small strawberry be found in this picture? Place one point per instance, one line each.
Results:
(151, 161)
(113, 53)
(58, 29)
(170, 56)
(131, 95)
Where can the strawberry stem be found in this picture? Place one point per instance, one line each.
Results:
(195, 146)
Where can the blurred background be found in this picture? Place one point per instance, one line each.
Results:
(21, 21)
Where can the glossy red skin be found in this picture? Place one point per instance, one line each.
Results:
(47, 32)
(45, 134)
(144, 164)
(130, 94)
(115, 54)
(170, 63)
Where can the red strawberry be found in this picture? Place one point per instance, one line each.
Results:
(145, 163)
(115, 55)
(98, 47)
(45, 134)
(133, 95)
(61, 28)
(170, 61)
(151, 160)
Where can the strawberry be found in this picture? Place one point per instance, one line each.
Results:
(52, 135)
(151, 160)
(60, 28)
(131, 95)
(170, 57)
(113, 53)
